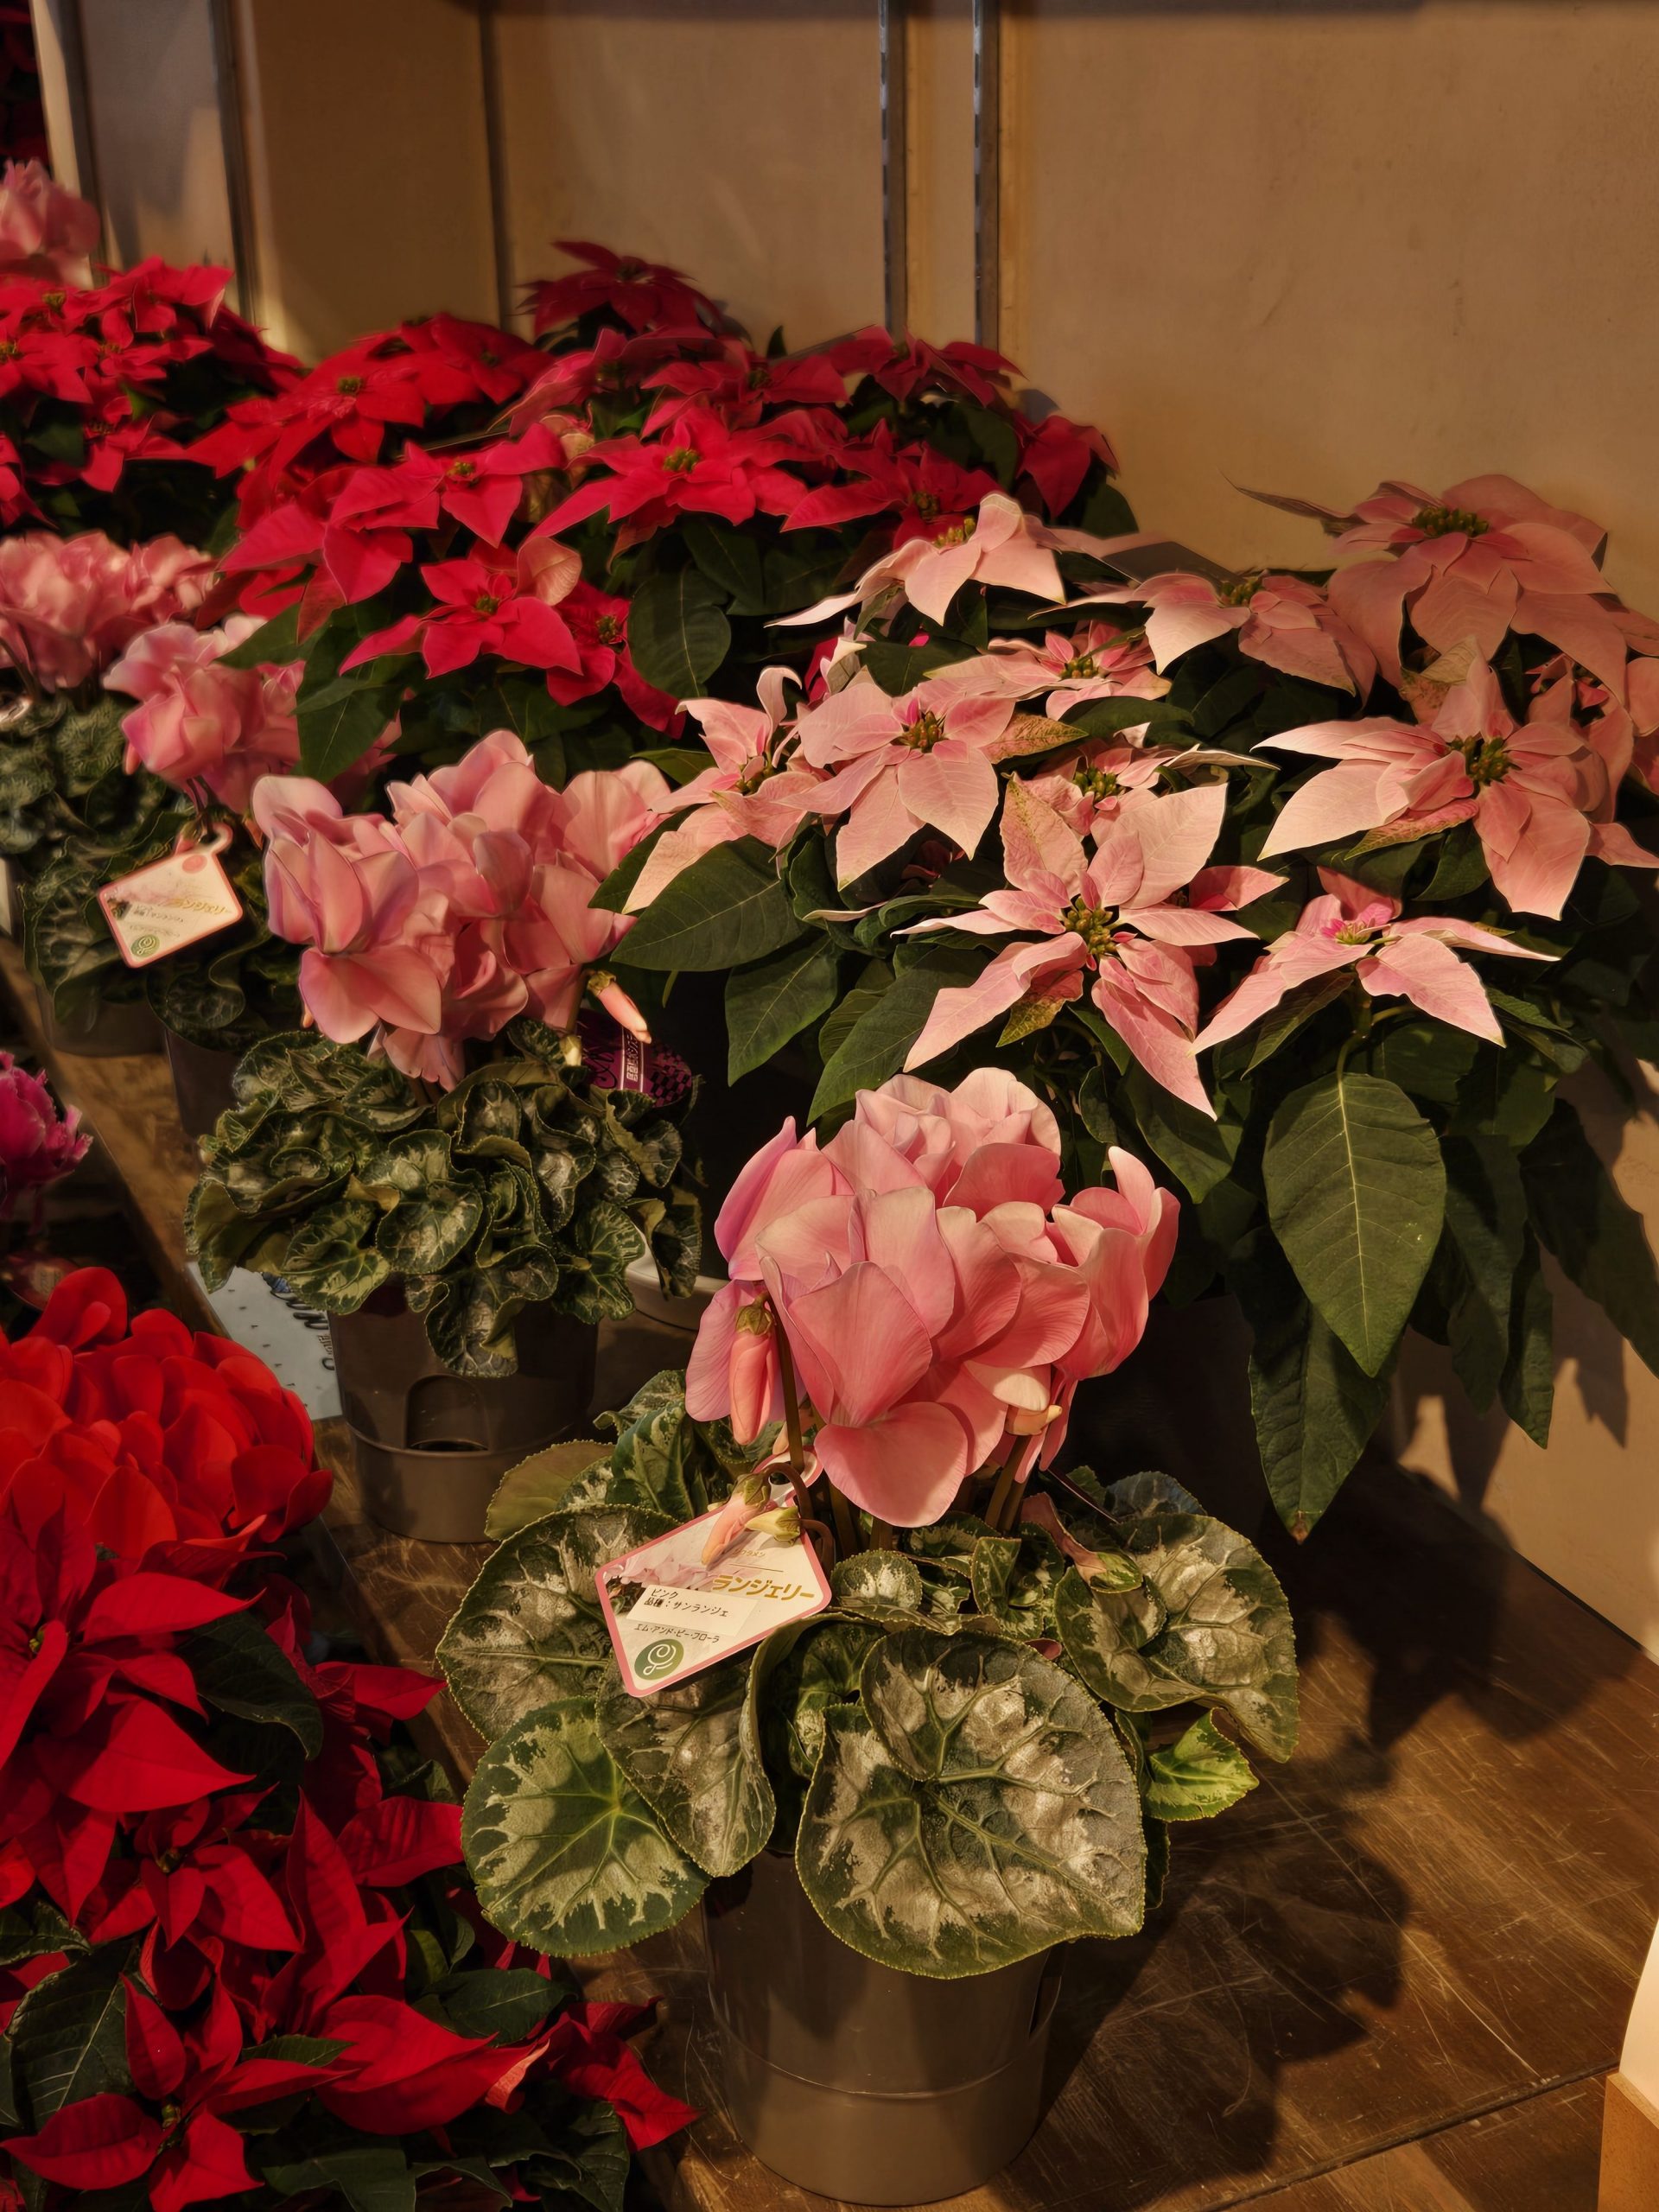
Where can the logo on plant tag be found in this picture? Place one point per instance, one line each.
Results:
(172, 903)
(670, 1614)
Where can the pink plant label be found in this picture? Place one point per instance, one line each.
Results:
(670, 1615)
(172, 903)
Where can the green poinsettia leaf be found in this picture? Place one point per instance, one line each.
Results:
(693, 1752)
(1199, 1775)
(977, 1809)
(1225, 1636)
(677, 632)
(239, 1667)
(68, 2035)
(530, 1630)
(724, 910)
(771, 1002)
(567, 1856)
(1356, 1193)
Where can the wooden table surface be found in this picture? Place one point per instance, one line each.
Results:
(1391, 1980)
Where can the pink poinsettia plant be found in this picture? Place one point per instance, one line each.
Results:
(243, 1954)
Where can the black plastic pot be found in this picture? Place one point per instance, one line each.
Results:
(110, 1030)
(431, 1445)
(854, 2080)
(201, 1083)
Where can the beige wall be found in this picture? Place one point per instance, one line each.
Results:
(1586, 1508)
(740, 142)
(1307, 247)
(153, 108)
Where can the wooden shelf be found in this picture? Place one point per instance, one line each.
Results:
(1393, 1978)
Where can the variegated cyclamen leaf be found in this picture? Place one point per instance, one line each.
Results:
(1015, 1579)
(881, 1584)
(1134, 1496)
(1199, 1775)
(604, 1244)
(530, 1630)
(1226, 1638)
(430, 1229)
(567, 1855)
(800, 1672)
(330, 1263)
(977, 1809)
(540, 1484)
(693, 1752)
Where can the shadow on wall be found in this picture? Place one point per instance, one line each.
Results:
(154, 115)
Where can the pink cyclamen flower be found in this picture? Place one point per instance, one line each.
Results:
(68, 606)
(1003, 544)
(1136, 915)
(1483, 557)
(1095, 662)
(938, 1301)
(38, 1144)
(755, 788)
(1350, 925)
(894, 767)
(199, 722)
(1531, 789)
(44, 227)
(471, 906)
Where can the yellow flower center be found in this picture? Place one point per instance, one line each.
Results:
(1449, 522)
(682, 460)
(1486, 757)
(1092, 924)
(923, 733)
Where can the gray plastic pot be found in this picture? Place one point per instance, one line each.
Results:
(110, 1030)
(431, 1445)
(201, 1083)
(854, 2080)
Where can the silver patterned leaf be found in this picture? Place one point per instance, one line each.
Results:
(530, 1630)
(799, 1673)
(693, 1752)
(567, 1855)
(977, 1809)
(1225, 1638)
(882, 1583)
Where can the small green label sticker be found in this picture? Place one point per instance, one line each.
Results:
(143, 946)
(659, 1659)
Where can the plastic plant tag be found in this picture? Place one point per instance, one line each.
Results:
(670, 1615)
(172, 903)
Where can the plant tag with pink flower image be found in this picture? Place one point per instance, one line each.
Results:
(670, 1614)
(172, 903)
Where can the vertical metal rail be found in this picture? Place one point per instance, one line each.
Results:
(891, 18)
(233, 147)
(495, 153)
(988, 172)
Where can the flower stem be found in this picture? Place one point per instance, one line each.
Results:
(792, 1420)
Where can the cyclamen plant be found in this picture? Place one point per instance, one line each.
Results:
(445, 1128)
(912, 1307)
(240, 1957)
(1348, 1058)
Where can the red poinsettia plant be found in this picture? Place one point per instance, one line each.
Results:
(106, 388)
(239, 1955)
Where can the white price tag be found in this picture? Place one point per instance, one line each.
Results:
(670, 1615)
(172, 903)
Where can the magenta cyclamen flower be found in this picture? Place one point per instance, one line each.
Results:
(1353, 926)
(38, 1144)
(927, 1289)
